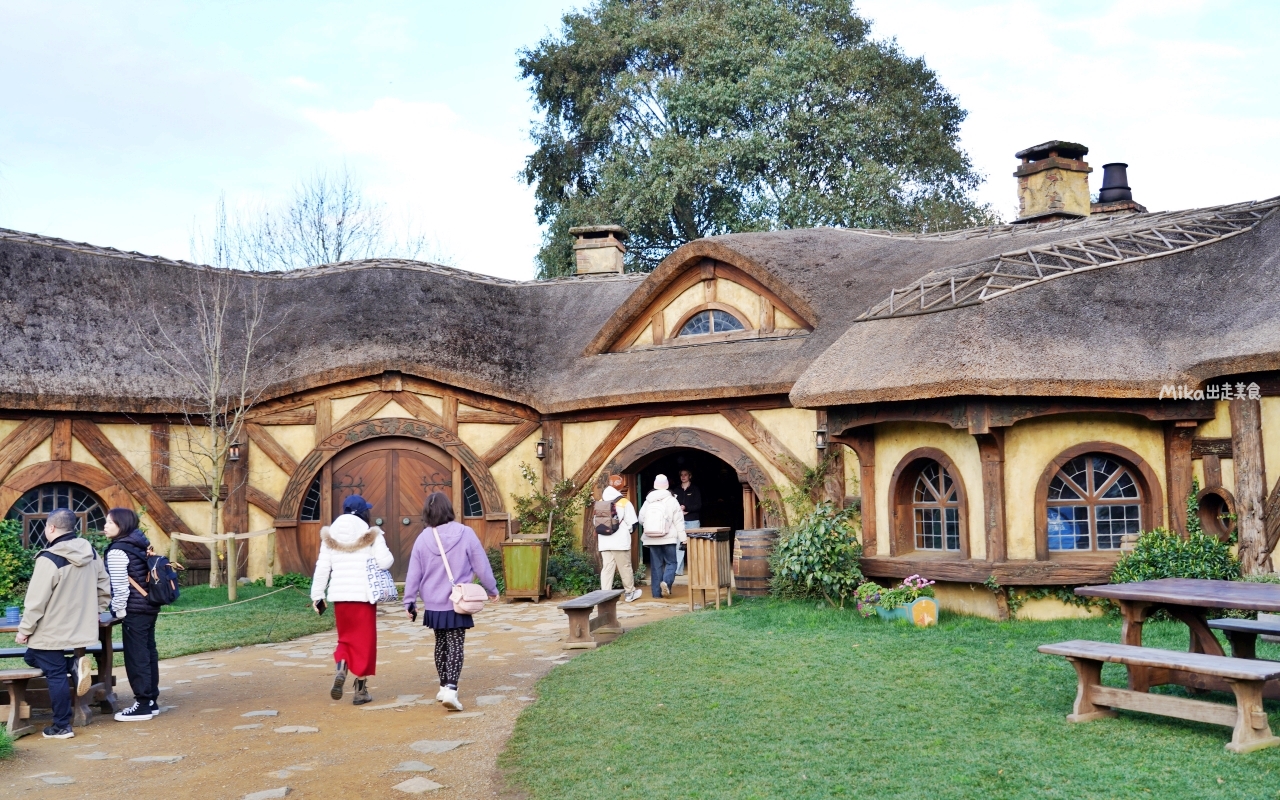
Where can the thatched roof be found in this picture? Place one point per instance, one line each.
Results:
(84, 322)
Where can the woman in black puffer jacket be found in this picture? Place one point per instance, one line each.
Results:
(126, 559)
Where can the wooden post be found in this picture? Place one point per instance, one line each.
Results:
(271, 559)
(1251, 486)
(863, 442)
(553, 464)
(1177, 467)
(231, 569)
(991, 451)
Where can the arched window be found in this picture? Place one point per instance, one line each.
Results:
(928, 506)
(311, 503)
(471, 506)
(712, 320)
(34, 508)
(935, 510)
(1092, 502)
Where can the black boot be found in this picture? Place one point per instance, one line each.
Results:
(362, 693)
(339, 681)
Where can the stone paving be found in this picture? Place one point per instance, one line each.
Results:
(257, 722)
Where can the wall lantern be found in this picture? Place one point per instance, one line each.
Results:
(820, 438)
(542, 447)
(233, 451)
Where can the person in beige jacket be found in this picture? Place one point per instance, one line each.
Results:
(69, 588)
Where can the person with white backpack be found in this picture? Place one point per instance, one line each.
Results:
(663, 522)
(351, 567)
(446, 560)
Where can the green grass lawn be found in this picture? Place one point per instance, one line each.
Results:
(785, 700)
(280, 617)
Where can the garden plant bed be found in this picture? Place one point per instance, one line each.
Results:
(773, 699)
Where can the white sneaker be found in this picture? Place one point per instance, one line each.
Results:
(440, 695)
(666, 590)
(450, 699)
(632, 596)
(84, 675)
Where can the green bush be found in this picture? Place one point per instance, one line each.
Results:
(16, 563)
(495, 564)
(818, 557)
(1164, 554)
(6, 744)
(297, 579)
(572, 572)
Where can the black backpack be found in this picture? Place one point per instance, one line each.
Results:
(162, 577)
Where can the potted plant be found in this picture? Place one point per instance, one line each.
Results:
(912, 600)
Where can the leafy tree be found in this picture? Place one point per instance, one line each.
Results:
(688, 118)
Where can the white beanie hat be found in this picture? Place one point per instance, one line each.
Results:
(661, 482)
(611, 494)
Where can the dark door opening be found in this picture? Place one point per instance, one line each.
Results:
(722, 505)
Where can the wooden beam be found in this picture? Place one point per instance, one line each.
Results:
(1212, 471)
(603, 450)
(472, 415)
(262, 500)
(414, 405)
(392, 382)
(1007, 573)
(964, 412)
(324, 419)
(508, 443)
(19, 444)
(833, 481)
(273, 449)
(188, 494)
(119, 467)
(991, 453)
(1178, 440)
(553, 464)
(450, 415)
(769, 446)
(862, 441)
(365, 409)
(1271, 517)
(674, 409)
(235, 512)
(424, 386)
(61, 444)
(1202, 446)
(296, 416)
(1251, 488)
(160, 454)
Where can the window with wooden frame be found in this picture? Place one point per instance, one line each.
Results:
(929, 506)
(34, 507)
(711, 320)
(1090, 497)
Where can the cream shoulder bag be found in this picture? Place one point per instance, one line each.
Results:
(467, 598)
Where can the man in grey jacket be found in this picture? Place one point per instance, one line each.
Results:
(69, 588)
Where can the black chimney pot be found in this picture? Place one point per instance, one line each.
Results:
(1115, 184)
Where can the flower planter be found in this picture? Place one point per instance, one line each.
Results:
(921, 612)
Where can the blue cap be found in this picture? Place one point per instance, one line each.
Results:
(355, 504)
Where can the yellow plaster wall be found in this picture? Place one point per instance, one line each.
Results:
(745, 301)
(158, 538)
(196, 515)
(264, 474)
(482, 436)
(971, 599)
(506, 473)
(783, 322)
(258, 546)
(645, 339)
(581, 439)
(894, 440)
(1030, 446)
(39, 454)
(689, 299)
(794, 427)
(1220, 426)
(8, 426)
(297, 440)
(390, 410)
(80, 454)
(852, 473)
(133, 442)
(1228, 473)
(1271, 439)
(185, 463)
(344, 404)
(434, 403)
(1047, 608)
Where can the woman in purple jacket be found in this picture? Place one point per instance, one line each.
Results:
(429, 580)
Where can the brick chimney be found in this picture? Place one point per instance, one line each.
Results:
(1053, 182)
(598, 249)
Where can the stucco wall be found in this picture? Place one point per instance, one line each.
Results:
(894, 440)
(1030, 446)
(580, 441)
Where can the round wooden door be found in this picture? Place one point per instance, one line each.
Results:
(395, 475)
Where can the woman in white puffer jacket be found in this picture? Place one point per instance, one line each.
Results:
(346, 547)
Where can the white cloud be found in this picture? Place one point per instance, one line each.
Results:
(458, 184)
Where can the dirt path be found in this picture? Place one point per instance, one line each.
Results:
(207, 746)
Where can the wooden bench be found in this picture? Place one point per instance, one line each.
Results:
(37, 693)
(92, 650)
(1251, 729)
(15, 681)
(1243, 634)
(582, 627)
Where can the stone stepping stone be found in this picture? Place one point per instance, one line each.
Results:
(464, 714)
(99, 756)
(268, 794)
(280, 664)
(241, 674)
(413, 766)
(505, 688)
(417, 785)
(323, 666)
(157, 760)
(177, 682)
(209, 675)
(296, 729)
(254, 726)
(266, 712)
(164, 688)
(210, 710)
(522, 674)
(280, 773)
(525, 699)
(58, 780)
(490, 699)
(435, 746)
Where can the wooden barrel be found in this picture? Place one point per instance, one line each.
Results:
(751, 553)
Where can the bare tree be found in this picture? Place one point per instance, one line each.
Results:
(328, 218)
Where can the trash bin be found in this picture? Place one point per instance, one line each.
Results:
(524, 567)
(709, 564)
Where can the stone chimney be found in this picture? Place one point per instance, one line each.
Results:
(1053, 182)
(598, 249)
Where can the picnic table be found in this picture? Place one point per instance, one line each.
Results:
(103, 690)
(1188, 601)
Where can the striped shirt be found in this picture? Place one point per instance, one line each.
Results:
(118, 571)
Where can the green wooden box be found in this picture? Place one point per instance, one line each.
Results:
(524, 565)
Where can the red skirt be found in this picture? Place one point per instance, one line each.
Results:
(357, 637)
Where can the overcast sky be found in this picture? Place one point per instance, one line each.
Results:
(124, 121)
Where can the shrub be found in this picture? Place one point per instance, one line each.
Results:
(1164, 554)
(495, 564)
(818, 557)
(871, 594)
(296, 579)
(6, 744)
(16, 563)
(572, 572)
